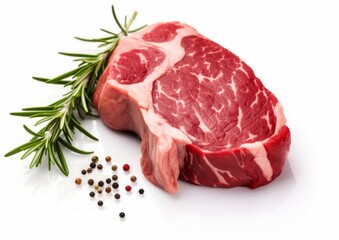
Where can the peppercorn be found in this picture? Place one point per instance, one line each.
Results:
(90, 182)
(141, 191)
(96, 186)
(125, 167)
(108, 158)
(108, 189)
(133, 178)
(83, 172)
(92, 194)
(100, 191)
(117, 196)
(128, 188)
(108, 180)
(89, 170)
(115, 185)
(115, 177)
(122, 215)
(114, 167)
(78, 181)
(99, 167)
(100, 203)
(92, 165)
(95, 159)
(101, 183)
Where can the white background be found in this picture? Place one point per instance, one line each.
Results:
(292, 47)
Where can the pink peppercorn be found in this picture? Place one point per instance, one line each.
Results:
(125, 167)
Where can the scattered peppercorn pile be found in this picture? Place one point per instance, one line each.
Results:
(108, 184)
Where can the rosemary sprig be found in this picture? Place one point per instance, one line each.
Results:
(62, 118)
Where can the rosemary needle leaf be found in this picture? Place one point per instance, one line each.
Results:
(49, 164)
(43, 114)
(92, 115)
(62, 159)
(51, 154)
(117, 21)
(84, 131)
(32, 149)
(96, 39)
(69, 83)
(59, 103)
(46, 80)
(83, 101)
(23, 147)
(40, 79)
(137, 29)
(96, 71)
(78, 55)
(79, 111)
(62, 122)
(56, 133)
(89, 101)
(72, 148)
(32, 132)
(45, 108)
(65, 75)
(68, 132)
(109, 32)
(37, 157)
(45, 119)
(21, 114)
(55, 160)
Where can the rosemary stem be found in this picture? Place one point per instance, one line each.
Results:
(62, 117)
(131, 20)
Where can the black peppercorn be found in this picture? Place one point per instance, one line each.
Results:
(115, 185)
(90, 182)
(99, 167)
(101, 183)
(92, 194)
(108, 180)
(89, 170)
(92, 165)
(114, 177)
(83, 172)
(100, 203)
(122, 215)
(141, 191)
(117, 196)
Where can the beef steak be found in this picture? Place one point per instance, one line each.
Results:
(201, 113)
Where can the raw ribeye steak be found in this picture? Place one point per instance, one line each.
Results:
(201, 113)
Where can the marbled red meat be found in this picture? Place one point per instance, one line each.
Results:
(200, 111)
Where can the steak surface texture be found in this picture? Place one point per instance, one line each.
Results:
(200, 111)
